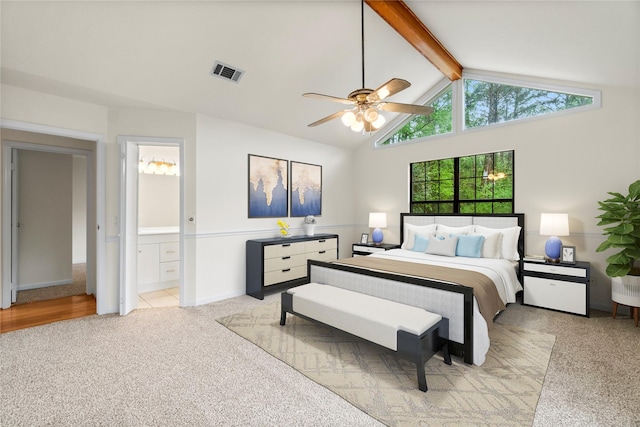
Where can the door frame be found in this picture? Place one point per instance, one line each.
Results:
(129, 145)
(96, 191)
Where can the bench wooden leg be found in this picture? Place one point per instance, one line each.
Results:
(615, 309)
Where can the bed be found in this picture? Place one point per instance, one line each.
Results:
(440, 281)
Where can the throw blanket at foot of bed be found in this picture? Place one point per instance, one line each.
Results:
(414, 333)
(484, 289)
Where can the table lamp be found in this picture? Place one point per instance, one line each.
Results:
(377, 220)
(553, 225)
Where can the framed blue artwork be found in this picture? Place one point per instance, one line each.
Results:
(268, 187)
(306, 189)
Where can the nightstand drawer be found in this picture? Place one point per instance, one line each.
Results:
(368, 249)
(555, 269)
(555, 294)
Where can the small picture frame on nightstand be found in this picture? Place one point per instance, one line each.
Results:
(364, 238)
(568, 255)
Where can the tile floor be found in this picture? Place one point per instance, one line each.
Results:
(162, 298)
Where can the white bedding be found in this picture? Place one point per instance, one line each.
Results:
(501, 271)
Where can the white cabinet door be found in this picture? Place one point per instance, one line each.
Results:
(148, 264)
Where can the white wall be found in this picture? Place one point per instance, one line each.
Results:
(562, 164)
(44, 200)
(79, 210)
(223, 225)
(158, 200)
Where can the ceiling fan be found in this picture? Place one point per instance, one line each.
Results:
(367, 103)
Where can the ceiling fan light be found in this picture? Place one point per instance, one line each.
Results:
(357, 126)
(371, 115)
(348, 118)
(379, 121)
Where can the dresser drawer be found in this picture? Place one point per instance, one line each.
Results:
(169, 251)
(277, 276)
(328, 255)
(321, 245)
(368, 249)
(169, 271)
(285, 249)
(555, 269)
(555, 294)
(283, 263)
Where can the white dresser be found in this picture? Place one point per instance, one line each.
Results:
(158, 261)
(281, 261)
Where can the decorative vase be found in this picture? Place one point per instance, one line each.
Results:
(309, 229)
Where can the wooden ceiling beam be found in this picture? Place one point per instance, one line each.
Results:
(397, 14)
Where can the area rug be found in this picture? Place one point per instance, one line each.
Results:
(503, 391)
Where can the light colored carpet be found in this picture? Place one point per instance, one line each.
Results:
(77, 287)
(503, 391)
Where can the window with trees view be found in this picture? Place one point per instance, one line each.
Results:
(481, 183)
(486, 102)
(482, 101)
(439, 122)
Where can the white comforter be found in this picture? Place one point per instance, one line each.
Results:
(501, 271)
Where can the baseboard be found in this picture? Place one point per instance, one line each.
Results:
(220, 297)
(150, 287)
(44, 284)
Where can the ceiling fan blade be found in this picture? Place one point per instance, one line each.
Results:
(328, 98)
(391, 87)
(395, 107)
(326, 119)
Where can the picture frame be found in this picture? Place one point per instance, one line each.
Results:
(306, 189)
(364, 238)
(268, 187)
(568, 255)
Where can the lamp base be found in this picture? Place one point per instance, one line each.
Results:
(552, 249)
(377, 236)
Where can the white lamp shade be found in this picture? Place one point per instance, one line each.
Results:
(554, 224)
(378, 220)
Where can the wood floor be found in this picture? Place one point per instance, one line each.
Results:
(42, 312)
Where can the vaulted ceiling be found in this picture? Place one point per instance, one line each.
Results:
(158, 54)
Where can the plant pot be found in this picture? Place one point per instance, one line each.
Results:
(626, 290)
(309, 229)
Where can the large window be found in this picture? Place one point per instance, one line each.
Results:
(439, 122)
(487, 102)
(481, 183)
(477, 100)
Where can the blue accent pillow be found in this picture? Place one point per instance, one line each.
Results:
(420, 243)
(470, 246)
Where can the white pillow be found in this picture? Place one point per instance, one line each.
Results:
(510, 238)
(446, 230)
(411, 230)
(446, 247)
(491, 247)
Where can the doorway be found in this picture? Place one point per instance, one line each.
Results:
(86, 148)
(151, 219)
(49, 242)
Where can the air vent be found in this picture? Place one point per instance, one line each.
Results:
(226, 72)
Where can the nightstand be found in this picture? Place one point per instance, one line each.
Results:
(358, 249)
(561, 287)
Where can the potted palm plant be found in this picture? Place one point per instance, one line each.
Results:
(621, 219)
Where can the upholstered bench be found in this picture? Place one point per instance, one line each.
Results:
(414, 333)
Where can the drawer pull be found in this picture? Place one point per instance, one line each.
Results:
(286, 257)
(286, 245)
(288, 269)
(170, 271)
(170, 252)
(322, 252)
(322, 240)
